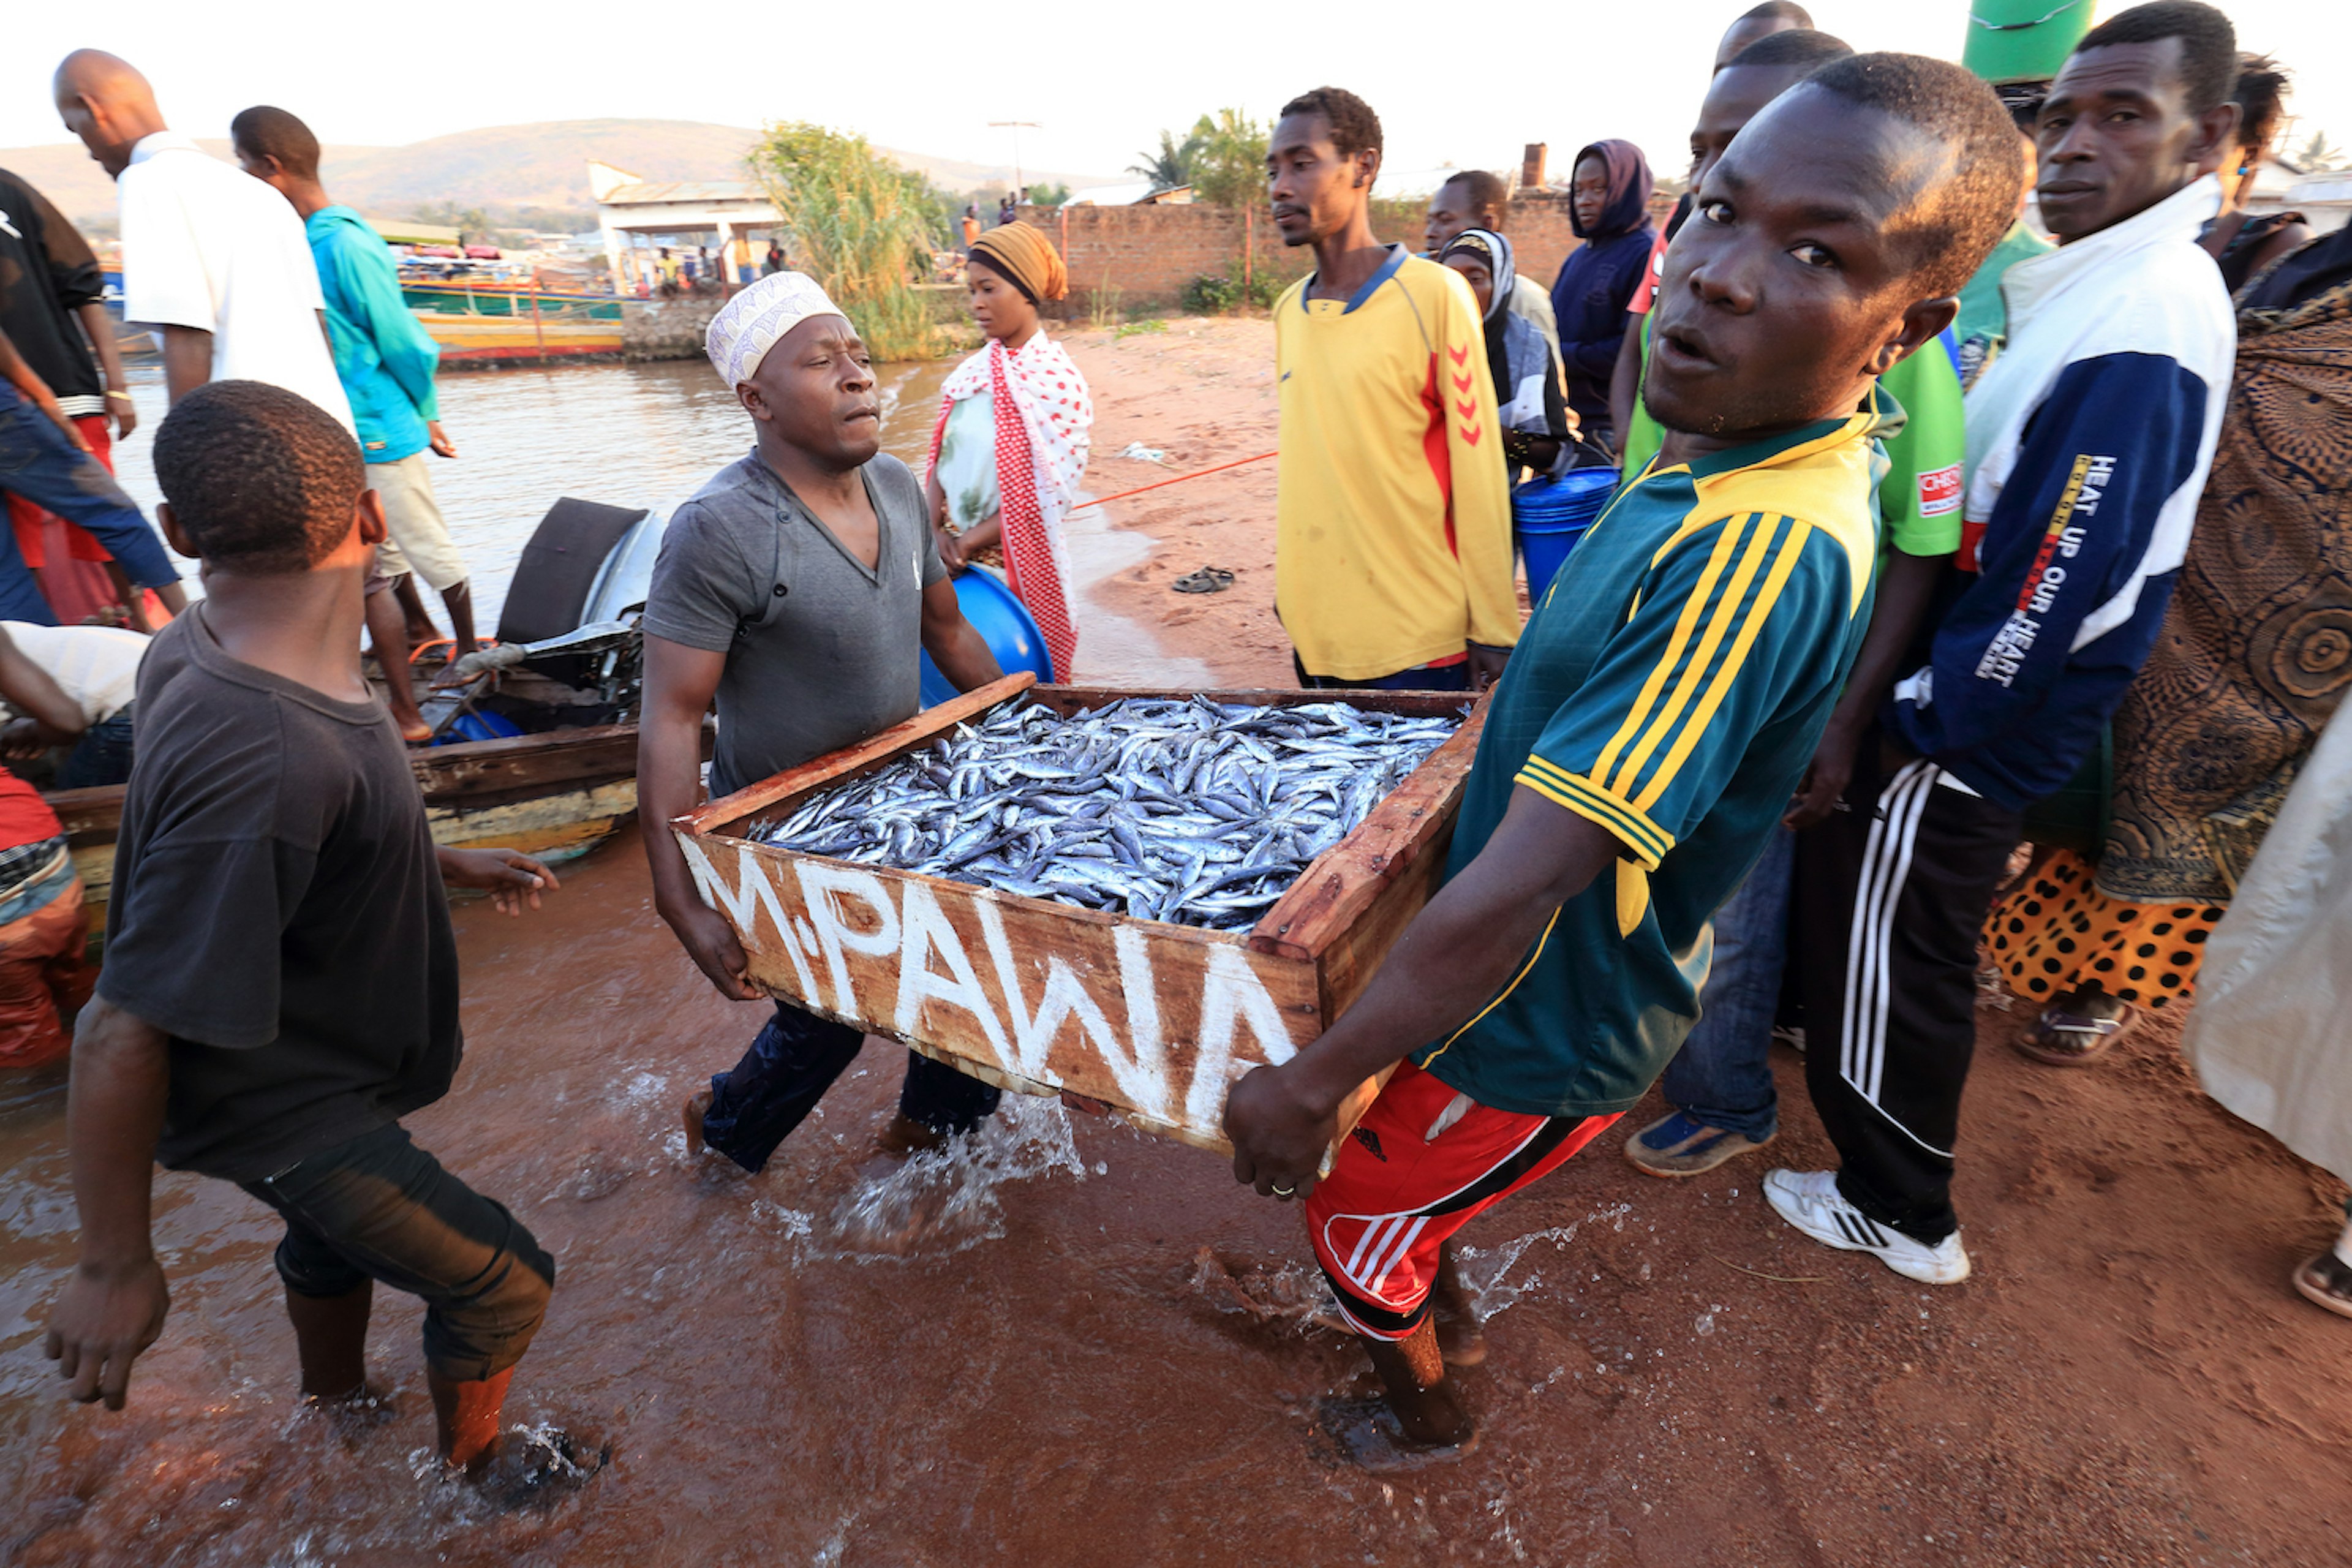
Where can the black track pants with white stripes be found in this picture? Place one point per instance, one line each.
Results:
(1890, 895)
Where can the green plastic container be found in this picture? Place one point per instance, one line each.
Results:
(2023, 40)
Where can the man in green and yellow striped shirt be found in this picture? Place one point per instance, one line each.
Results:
(1659, 708)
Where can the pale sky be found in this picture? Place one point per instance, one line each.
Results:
(927, 76)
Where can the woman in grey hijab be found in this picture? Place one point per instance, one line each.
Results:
(1535, 418)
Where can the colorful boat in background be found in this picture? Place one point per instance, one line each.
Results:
(477, 321)
(485, 322)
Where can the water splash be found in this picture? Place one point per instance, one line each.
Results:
(798, 1225)
(945, 1200)
(1487, 1272)
(646, 1089)
(1293, 1294)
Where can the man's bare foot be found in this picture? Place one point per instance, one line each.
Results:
(1371, 1435)
(1434, 1416)
(537, 1467)
(1459, 1340)
(905, 1136)
(698, 1106)
(1426, 1403)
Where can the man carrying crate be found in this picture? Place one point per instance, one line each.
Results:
(798, 588)
(1660, 708)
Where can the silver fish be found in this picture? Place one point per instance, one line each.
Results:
(1192, 811)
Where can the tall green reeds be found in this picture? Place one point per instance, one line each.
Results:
(858, 224)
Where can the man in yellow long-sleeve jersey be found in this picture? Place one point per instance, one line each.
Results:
(1392, 552)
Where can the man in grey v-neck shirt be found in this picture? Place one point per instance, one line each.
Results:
(819, 647)
(800, 588)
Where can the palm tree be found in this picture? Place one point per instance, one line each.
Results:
(1230, 168)
(1170, 166)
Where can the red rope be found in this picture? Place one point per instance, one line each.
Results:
(1179, 479)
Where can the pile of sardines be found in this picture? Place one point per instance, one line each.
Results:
(1192, 811)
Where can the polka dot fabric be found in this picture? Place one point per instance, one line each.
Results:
(2059, 932)
(1044, 420)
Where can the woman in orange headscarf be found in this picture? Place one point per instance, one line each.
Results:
(1011, 442)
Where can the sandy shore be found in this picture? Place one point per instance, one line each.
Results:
(1200, 390)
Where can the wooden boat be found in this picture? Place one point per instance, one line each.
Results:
(1151, 1019)
(467, 340)
(485, 321)
(538, 749)
(556, 796)
(498, 297)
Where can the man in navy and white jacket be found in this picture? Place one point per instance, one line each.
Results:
(2088, 442)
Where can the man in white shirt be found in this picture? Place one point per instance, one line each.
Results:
(212, 257)
(97, 671)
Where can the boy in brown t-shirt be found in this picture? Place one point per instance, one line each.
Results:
(281, 979)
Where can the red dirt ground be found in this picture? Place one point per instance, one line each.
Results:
(1676, 1380)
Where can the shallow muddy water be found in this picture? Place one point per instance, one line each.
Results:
(1069, 1344)
(1078, 1346)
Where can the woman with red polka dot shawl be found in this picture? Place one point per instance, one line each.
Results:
(1011, 442)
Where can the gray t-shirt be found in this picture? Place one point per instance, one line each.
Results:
(821, 651)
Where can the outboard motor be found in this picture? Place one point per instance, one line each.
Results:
(569, 652)
(586, 562)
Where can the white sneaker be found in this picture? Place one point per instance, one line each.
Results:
(1809, 1200)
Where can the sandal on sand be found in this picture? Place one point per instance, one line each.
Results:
(2064, 1039)
(1207, 580)
(2326, 1281)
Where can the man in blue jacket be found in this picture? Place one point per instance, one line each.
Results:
(2088, 443)
(386, 361)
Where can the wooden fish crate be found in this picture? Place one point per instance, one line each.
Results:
(1151, 1018)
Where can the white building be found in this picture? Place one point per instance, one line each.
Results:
(2324, 198)
(636, 217)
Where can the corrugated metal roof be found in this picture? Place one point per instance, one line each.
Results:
(399, 231)
(684, 192)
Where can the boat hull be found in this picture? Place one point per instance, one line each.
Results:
(490, 341)
(556, 796)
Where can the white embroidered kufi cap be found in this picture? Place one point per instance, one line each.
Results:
(747, 326)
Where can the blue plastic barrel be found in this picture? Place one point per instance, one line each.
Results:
(1548, 516)
(1003, 622)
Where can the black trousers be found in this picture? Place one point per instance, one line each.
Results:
(379, 1207)
(792, 1062)
(1890, 896)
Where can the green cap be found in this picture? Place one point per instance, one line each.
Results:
(2023, 40)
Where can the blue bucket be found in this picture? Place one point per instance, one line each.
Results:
(1003, 622)
(479, 725)
(1548, 516)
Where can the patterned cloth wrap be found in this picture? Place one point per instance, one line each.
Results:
(1044, 417)
(2256, 649)
(2254, 656)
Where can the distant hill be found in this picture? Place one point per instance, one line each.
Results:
(542, 165)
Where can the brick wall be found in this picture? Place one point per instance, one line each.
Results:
(1150, 253)
(1540, 234)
